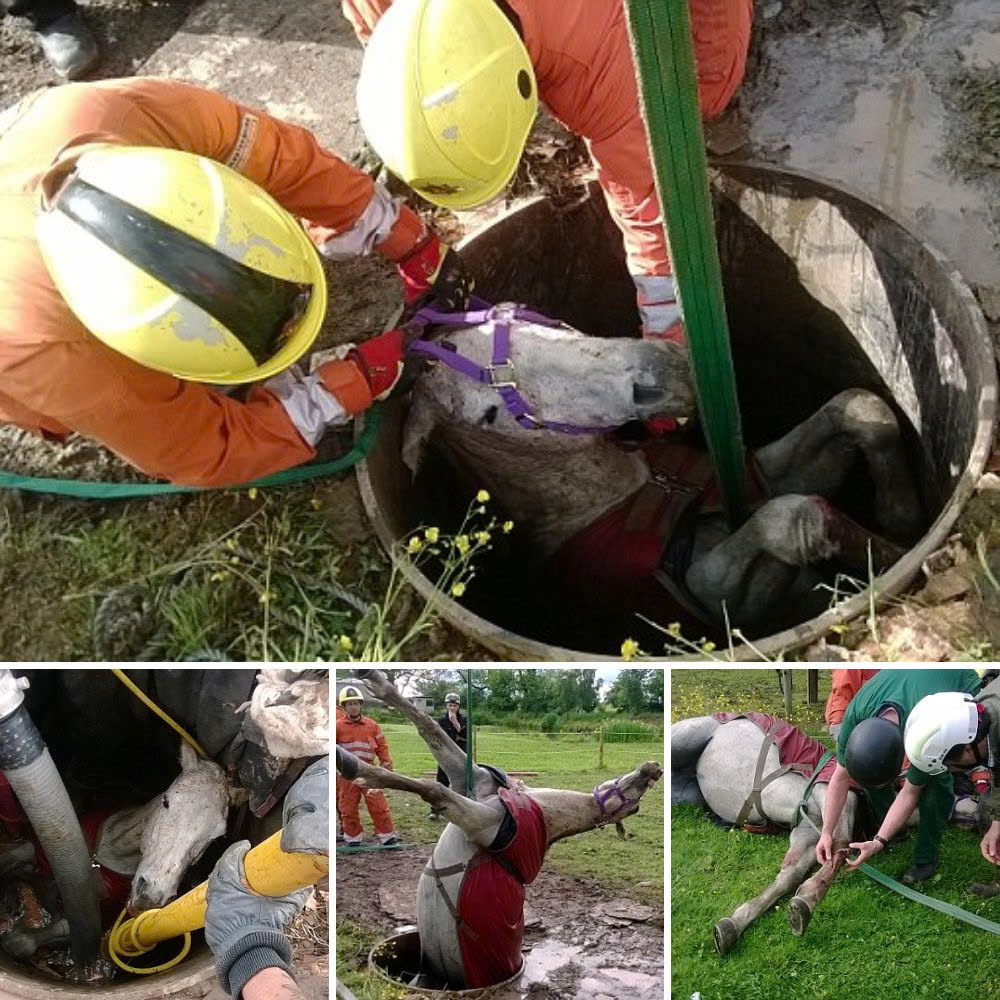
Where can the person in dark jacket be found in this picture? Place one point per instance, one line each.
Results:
(456, 726)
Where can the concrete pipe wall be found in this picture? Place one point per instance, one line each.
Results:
(824, 292)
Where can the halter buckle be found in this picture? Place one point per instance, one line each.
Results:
(504, 368)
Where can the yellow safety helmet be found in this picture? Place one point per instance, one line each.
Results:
(182, 264)
(350, 693)
(447, 97)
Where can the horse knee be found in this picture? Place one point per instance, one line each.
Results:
(793, 529)
(865, 415)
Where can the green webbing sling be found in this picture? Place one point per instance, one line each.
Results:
(664, 59)
(119, 491)
(949, 909)
(470, 792)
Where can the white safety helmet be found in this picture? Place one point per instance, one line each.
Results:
(351, 693)
(938, 723)
(452, 697)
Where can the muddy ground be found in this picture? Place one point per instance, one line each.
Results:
(573, 947)
(896, 98)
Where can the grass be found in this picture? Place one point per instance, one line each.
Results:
(353, 944)
(864, 941)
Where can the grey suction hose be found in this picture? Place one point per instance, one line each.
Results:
(31, 772)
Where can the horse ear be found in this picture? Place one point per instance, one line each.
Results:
(189, 756)
(419, 427)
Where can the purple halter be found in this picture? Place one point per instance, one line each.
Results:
(500, 373)
(601, 798)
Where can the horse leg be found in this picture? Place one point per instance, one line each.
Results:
(799, 858)
(477, 820)
(446, 751)
(817, 455)
(812, 891)
(759, 564)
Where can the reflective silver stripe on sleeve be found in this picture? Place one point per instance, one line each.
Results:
(310, 406)
(657, 301)
(372, 228)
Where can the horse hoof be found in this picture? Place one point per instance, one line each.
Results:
(986, 891)
(725, 935)
(799, 915)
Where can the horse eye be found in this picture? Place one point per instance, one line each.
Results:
(490, 416)
(166, 803)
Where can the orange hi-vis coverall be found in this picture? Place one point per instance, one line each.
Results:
(845, 684)
(581, 54)
(363, 738)
(56, 377)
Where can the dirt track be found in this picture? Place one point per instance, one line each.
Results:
(572, 951)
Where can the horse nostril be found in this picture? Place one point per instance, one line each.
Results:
(643, 395)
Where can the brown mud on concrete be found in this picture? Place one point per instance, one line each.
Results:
(570, 951)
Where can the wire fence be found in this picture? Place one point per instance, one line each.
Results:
(532, 750)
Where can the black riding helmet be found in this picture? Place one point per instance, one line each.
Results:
(874, 752)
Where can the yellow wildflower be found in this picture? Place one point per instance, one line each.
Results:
(315, 503)
(674, 629)
(230, 543)
(252, 493)
(462, 544)
(414, 544)
(629, 649)
(346, 643)
(482, 537)
(482, 496)
(219, 575)
(432, 534)
(265, 597)
(707, 647)
(508, 527)
(457, 589)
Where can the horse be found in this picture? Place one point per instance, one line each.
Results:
(525, 407)
(470, 897)
(753, 769)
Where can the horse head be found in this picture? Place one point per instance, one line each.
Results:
(567, 384)
(181, 824)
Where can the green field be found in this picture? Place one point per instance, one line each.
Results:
(864, 942)
(563, 761)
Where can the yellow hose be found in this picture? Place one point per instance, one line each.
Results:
(120, 674)
(270, 872)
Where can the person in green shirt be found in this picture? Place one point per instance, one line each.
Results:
(870, 751)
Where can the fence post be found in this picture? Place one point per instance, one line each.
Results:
(785, 676)
(813, 689)
(600, 747)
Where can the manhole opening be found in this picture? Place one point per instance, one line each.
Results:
(824, 293)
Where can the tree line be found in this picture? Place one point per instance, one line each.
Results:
(535, 692)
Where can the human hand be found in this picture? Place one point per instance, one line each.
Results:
(381, 360)
(824, 849)
(305, 817)
(990, 844)
(244, 930)
(866, 849)
(434, 268)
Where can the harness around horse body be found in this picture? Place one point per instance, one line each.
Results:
(760, 782)
(500, 373)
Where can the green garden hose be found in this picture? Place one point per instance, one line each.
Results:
(120, 491)
(664, 57)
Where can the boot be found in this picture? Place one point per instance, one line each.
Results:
(919, 873)
(69, 46)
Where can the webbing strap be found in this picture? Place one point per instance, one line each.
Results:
(119, 491)
(436, 873)
(664, 58)
(949, 909)
(759, 782)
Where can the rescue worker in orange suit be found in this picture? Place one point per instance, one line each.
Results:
(845, 684)
(152, 251)
(340, 826)
(575, 57)
(362, 737)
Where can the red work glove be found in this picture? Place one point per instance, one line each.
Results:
(381, 361)
(433, 268)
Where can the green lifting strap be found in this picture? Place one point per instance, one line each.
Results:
(470, 792)
(119, 491)
(664, 59)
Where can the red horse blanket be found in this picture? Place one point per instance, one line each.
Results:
(491, 900)
(802, 753)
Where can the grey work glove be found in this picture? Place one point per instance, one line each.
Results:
(246, 931)
(305, 819)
